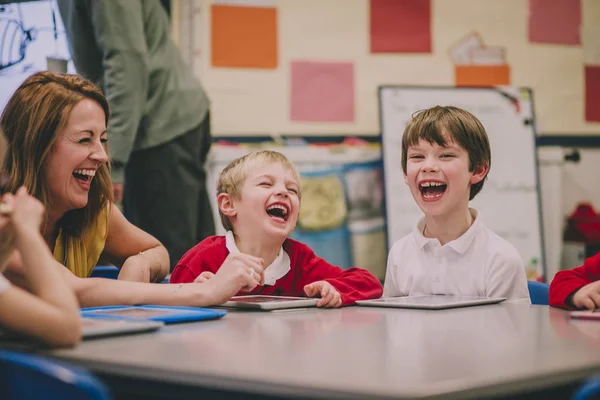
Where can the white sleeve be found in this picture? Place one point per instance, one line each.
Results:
(390, 288)
(4, 284)
(507, 278)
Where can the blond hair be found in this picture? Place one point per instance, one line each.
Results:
(464, 130)
(35, 114)
(234, 175)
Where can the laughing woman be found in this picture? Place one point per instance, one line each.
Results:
(56, 125)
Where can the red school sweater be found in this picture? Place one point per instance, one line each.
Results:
(568, 281)
(305, 268)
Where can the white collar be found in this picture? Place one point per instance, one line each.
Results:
(278, 268)
(460, 244)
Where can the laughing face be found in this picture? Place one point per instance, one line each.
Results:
(79, 151)
(269, 202)
(439, 177)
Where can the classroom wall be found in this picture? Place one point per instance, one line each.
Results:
(257, 101)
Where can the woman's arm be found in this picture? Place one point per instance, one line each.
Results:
(94, 292)
(50, 312)
(141, 257)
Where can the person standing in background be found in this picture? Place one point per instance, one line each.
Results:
(160, 119)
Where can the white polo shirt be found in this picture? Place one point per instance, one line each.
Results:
(479, 263)
(4, 284)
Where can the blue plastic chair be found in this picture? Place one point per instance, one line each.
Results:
(105, 271)
(538, 292)
(29, 377)
(589, 390)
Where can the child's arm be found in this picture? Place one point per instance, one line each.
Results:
(352, 284)
(53, 315)
(566, 283)
(506, 278)
(390, 287)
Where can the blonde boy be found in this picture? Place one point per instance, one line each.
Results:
(259, 202)
(445, 159)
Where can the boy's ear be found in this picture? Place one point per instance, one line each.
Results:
(226, 204)
(405, 178)
(479, 174)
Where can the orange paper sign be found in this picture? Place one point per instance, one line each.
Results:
(482, 75)
(244, 36)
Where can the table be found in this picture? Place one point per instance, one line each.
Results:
(356, 352)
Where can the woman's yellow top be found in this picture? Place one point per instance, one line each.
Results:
(83, 252)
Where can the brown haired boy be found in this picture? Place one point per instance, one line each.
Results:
(445, 159)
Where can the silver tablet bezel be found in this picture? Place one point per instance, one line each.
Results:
(285, 302)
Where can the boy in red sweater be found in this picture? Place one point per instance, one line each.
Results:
(259, 203)
(578, 287)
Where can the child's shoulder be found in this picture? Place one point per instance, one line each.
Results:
(498, 247)
(211, 244)
(292, 246)
(404, 244)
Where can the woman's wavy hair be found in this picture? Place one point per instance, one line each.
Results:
(35, 114)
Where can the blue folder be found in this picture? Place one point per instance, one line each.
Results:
(166, 314)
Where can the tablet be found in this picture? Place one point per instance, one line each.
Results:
(267, 303)
(92, 328)
(432, 302)
(585, 314)
(166, 314)
(103, 327)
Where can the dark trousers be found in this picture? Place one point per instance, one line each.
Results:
(165, 191)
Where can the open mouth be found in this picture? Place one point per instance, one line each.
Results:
(278, 212)
(84, 175)
(432, 190)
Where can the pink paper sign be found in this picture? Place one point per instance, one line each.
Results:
(555, 21)
(322, 91)
(592, 93)
(400, 26)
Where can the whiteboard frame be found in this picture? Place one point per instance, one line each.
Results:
(531, 123)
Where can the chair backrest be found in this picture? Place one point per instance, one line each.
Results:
(538, 292)
(29, 377)
(589, 390)
(105, 271)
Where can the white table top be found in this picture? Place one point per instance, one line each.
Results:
(360, 352)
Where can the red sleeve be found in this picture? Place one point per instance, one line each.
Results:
(352, 284)
(208, 255)
(567, 282)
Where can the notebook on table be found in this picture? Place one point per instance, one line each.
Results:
(430, 302)
(165, 314)
(268, 303)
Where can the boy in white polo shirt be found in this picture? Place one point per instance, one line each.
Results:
(445, 158)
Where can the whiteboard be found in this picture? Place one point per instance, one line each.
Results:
(509, 202)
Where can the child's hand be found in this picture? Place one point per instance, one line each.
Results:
(26, 211)
(588, 296)
(238, 272)
(203, 277)
(329, 296)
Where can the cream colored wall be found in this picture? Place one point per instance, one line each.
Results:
(257, 102)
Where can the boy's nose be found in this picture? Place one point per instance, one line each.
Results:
(430, 166)
(281, 191)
